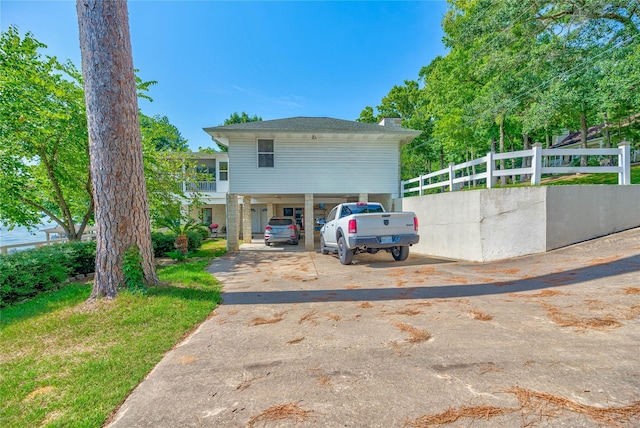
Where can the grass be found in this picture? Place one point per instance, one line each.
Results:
(64, 362)
(608, 178)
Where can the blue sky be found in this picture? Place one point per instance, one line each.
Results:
(273, 59)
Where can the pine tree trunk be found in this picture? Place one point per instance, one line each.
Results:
(119, 189)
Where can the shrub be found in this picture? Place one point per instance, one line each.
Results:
(83, 257)
(25, 274)
(204, 231)
(195, 240)
(132, 270)
(163, 243)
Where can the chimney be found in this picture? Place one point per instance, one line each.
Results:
(391, 122)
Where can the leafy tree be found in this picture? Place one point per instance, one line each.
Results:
(241, 118)
(43, 139)
(44, 151)
(180, 229)
(518, 72)
(238, 118)
(159, 133)
(119, 188)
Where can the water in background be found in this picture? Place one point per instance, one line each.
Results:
(20, 234)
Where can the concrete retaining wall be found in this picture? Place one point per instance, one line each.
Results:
(493, 224)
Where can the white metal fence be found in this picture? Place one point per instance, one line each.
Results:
(534, 163)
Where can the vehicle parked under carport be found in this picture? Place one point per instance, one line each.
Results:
(281, 229)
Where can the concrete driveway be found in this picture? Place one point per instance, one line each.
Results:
(301, 340)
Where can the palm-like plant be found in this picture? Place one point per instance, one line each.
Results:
(181, 229)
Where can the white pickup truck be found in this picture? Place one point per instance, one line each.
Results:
(364, 227)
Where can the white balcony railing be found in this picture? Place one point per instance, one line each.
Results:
(200, 186)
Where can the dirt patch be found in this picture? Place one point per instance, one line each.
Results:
(281, 412)
(43, 390)
(632, 290)
(261, 321)
(365, 305)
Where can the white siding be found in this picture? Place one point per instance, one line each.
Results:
(316, 166)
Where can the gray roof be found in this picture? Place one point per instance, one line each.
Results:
(312, 124)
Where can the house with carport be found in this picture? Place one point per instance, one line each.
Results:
(303, 167)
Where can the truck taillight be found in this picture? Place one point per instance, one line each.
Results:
(415, 224)
(353, 227)
(292, 227)
(267, 228)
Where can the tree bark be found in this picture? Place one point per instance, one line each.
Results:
(115, 150)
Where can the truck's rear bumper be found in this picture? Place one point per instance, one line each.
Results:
(376, 241)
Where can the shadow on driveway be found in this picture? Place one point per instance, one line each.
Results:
(568, 277)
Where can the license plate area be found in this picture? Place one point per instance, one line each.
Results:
(386, 239)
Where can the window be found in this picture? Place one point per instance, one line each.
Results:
(265, 153)
(224, 170)
(207, 216)
(332, 214)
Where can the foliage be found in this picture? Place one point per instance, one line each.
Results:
(238, 118)
(586, 179)
(43, 138)
(82, 257)
(176, 255)
(44, 156)
(241, 118)
(211, 249)
(163, 243)
(194, 239)
(56, 349)
(24, 274)
(517, 73)
(132, 270)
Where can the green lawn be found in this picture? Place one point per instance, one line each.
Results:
(609, 178)
(66, 363)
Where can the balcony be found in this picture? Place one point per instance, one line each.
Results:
(201, 187)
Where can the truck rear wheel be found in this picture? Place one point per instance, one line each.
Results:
(400, 253)
(345, 254)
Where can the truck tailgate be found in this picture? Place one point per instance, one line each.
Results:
(385, 224)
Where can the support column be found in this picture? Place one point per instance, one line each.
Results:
(308, 222)
(232, 222)
(387, 202)
(269, 211)
(246, 219)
